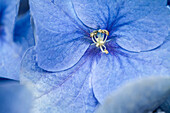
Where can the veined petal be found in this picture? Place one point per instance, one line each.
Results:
(68, 91)
(106, 13)
(61, 40)
(95, 14)
(146, 33)
(113, 70)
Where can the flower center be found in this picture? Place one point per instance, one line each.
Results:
(99, 38)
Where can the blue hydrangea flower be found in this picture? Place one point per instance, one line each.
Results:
(86, 49)
(9, 58)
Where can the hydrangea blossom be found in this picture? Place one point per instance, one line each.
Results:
(14, 38)
(86, 49)
(9, 58)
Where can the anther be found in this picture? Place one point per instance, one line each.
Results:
(99, 38)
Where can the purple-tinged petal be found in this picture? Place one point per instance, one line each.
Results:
(114, 69)
(68, 91)
(61, 39)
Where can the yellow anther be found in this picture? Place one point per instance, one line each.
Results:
(91, 34)
(100, 31)
(106, 32)
(105, 51)
(99, 39)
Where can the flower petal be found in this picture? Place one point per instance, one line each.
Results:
(9, 58)
(146, 33)
(120, 66)
(65, 92)
(104, 13)
(8, 12)
(61, 40)
(9, 61)
(141, 96)
(95, 14)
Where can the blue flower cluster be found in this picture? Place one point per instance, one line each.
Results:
(15, 37)
(88, 56)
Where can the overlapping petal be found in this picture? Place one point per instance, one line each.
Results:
(146, 33)
(132, 21)
(106, 13)
(67, 91)
(60, 37)
(113, 70)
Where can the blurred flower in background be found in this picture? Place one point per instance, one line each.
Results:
(16, 35)
(9, 57)
(14, 98)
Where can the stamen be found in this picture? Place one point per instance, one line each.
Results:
(99, 38)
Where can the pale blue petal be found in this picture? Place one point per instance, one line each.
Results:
(95, 14)
(61, 40)
(67, 91)
(114, 69)
(141, 96)
(146, 33)
(106, 13)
